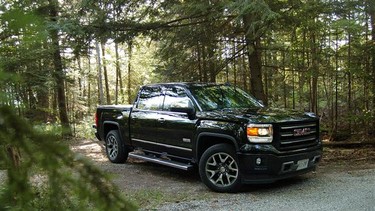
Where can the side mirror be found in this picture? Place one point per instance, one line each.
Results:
(190, 111)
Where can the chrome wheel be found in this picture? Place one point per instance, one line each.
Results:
(116, 150)
(221, 169)
(112, 147)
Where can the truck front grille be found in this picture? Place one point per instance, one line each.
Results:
(298, 135)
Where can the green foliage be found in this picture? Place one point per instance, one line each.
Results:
(48, 175)
(84, 128)
(329, 42)
(261, 14)
(6, 80)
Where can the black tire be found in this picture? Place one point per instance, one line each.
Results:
(219, 169)
(115, 148)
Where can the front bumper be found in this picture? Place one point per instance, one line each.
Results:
(257, 168)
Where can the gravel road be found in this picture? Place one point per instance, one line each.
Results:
(353, 190)
(338, 184)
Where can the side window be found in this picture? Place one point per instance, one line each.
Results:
(176, 97)
(150, 99)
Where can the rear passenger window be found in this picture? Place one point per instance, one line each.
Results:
(176, 97)
(150, 98)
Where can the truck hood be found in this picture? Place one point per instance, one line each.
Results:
(263, 115)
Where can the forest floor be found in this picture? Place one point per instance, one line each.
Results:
(153, 186)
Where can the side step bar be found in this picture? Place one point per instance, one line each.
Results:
(170, 163)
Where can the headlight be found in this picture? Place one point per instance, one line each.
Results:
(259, 133)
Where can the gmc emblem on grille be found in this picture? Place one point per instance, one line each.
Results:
(301, 132)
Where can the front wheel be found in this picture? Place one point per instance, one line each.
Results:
(219, 170)
(115, 148)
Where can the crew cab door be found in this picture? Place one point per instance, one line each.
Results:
(144, 117)
(175, 127)
(155, 127)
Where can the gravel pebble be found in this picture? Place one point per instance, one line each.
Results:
(338, 184)
(353, 190)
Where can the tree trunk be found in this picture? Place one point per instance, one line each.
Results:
(81, 73)
(315, 74)
(205, 75)
(105, 75)
(118, 76)
(199, 60)
(302, 78)
(336, 82)
(365, 80)
(256, 79)
(212, 63)
(244, 73)
(285, 97)
(14, 155)
(89, 85)
(372, 17)
(42, 97)
(59, 73)
(130, 51)
(100, 79)
(255, 63)
(349, 81)
(234, 64)
(293, 40)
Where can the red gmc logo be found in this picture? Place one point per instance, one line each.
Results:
(301, 132)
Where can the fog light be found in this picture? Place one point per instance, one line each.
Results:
(258, 161)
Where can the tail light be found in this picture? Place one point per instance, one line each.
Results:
(96, 120)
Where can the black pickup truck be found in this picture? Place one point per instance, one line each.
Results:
(225, 132)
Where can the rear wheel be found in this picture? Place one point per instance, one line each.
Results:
(115, 148)
(219, 170)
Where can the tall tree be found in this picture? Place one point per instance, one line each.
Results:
(100, 77)
(130, 53)
(105, 72)
(257, 17)
(371, 11)
(59, 74)
(118, 77)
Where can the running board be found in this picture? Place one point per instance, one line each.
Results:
(170, 163)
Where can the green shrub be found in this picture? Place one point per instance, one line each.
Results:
(43, 174)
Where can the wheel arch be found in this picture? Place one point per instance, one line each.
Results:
(110, 125)
(207, 139)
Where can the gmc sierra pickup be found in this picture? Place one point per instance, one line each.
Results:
(225, 132)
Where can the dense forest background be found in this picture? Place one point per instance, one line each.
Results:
(60, 59)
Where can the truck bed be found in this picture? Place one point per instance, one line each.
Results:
(113, 114)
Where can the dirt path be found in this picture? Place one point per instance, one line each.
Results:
(155, 186)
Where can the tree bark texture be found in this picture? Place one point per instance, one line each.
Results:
(255, 63)
(130, 51)
(100, 79)
(212, 64)
(108, 96)
(118, 76)
(59, 74)
(89, 85)
(372, 17)
(314, 75)
(256, 79)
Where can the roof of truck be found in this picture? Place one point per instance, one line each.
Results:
(187, 84)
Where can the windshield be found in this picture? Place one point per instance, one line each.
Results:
(218, 97)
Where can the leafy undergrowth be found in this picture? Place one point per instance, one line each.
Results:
(40, 172)
(352, 151)
(362, 157)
